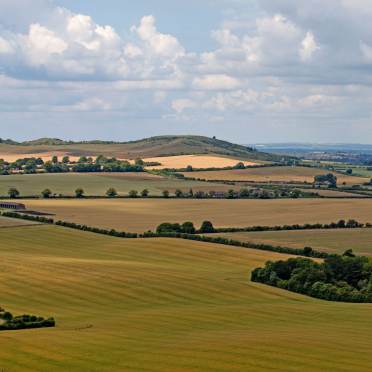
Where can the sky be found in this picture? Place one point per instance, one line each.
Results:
(248, 71)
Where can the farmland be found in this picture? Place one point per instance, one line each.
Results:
(196, 161)
(164, 304)
(11, 222)
(274, 174)
(97, 183)
(332, 241)
(139, 215)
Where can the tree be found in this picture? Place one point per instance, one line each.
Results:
(83, 159)
(111, 193)
(179, 193)
(239, 165)
(189, 168)
(79, 192)
(329, 179)
(230, 194)
(349, 171)
(188, 228)
(13, 193)
(46, 193)
(206, 227)
(65, 159)
(167, 227)
(139, 162)
(54, 159)
(145, 193)
(166, 194)
(133, 194)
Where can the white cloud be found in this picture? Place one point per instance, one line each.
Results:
(308, 47)
(41, 44)
(180, 105)
(5, 47)
(216, 82)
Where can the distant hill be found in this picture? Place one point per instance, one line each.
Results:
(148, 147)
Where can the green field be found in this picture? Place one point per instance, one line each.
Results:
(165, 305)
(139, 215)
(332, 241)
(96, 184)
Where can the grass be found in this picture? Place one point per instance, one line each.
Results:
(332, 241)
(274, 174)
(97, 183)
(165, 305)
(139, 215)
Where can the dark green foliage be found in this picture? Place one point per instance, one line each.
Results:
(133, 194)
(167, 227)
(145, 193)
(111, 193)
(13, 193)
(188, 228)
(340, 278)
(11, 323)
(166, 194)
(46, 193)
(79, 192)
(329, 179)
(206, 227)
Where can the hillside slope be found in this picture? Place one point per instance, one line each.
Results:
(148, 147)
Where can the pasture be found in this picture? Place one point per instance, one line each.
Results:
(165, 305)
(96, 184)
(331, 241)
(274, 174)
(139, 215)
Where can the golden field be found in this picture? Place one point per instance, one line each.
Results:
(274, 174)
(165, 305)
(139, 215)
(331, 241)
(196, 161)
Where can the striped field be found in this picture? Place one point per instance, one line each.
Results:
(331, 241)
(164, 305)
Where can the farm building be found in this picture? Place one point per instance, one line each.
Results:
(11, 205)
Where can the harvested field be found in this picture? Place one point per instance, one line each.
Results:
(97, 183)
(274, 174)
(12, 222)
(139, 215)
(196, 161)
(332, 241)
(165, 305)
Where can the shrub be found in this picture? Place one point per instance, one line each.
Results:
(111, 192)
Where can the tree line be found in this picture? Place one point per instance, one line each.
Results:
(344, 278)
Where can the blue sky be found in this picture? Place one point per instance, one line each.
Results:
(244, 70)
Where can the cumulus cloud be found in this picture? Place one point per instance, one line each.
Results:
(286, 59)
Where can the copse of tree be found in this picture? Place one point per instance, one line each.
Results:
(339, 278)
(11, 323)
(188, 228)
(165, 194)
(133, 194)
(167, 227)
(206, 227)
(51, 167)
(79, 192)
(145, 193)
(46, 193)
(239, 165)
(179, 193)
(13, 193)
(329, 179)
(111, 193)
